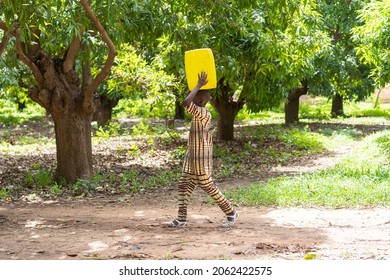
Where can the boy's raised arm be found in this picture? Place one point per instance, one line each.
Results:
(202, 80)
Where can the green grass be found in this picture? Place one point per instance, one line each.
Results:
(361, 179)
(9, 114)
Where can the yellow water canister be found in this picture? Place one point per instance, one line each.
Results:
(195, 62)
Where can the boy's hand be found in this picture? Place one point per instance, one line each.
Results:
(202, 79)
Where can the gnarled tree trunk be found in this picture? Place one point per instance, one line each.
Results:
(62, 96)
(69, 99)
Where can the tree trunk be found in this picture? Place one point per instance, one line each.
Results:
(291, 109)
(74, 147)
(62, 96)
(291, 106)
(227, 109)
(225, 125)
(103, 113)
(337, 106)
(179, 110)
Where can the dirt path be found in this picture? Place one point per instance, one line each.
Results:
(133, 227)
(103, 230)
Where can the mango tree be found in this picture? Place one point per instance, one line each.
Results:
(264, 51)
(61, 42)
(340, 75)
(372, 36)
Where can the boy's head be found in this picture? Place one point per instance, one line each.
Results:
(202, 98)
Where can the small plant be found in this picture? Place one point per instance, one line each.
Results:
(56, 189)
(134, 151)
(179, 153)
(83, 187)
(4, 192)
(112, 129)
(130, 181)
(38, 178)
(44, 178)
(142, 129)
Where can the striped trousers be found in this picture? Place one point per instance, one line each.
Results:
(186, 186)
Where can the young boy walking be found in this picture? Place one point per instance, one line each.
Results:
(198, 163)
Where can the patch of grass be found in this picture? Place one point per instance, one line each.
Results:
(9, 114)
(362, 179)
(26, 145)
(319, 111)
(303, 139)
(133, 181)
(4, 192)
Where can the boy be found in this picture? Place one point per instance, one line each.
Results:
(198, 163)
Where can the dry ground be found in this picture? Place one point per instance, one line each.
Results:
(105, 229)
(133, 227)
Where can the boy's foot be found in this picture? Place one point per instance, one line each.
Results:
(177, 223)
(230, 220)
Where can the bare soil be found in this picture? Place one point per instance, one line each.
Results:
(112, 229)
(135, 227)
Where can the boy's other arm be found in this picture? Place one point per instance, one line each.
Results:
(202, 80)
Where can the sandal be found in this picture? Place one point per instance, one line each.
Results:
(230, 220)
(177, 223)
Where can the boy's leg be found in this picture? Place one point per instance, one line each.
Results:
(185, 188)
(208, 185)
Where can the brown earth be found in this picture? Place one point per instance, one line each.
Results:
(111, 229)
(134, 227)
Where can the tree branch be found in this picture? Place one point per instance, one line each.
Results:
(87, 75)
(88, 95)
(71, 54)
(6, 37)
(37, 74)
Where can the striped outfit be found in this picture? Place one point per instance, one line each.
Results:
(198, 163)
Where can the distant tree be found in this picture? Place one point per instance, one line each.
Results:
(339, 73)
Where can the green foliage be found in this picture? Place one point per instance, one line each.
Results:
(135, 181)
(303, 139)
(142, 129)
(38, 178)
(56, 189)
(83, 187)
(131, 181)
(338, 69)
(146, 87)
(112, 129)
(5, 192)
(307, 111)
(359, 180)
(10, 114)
(179, 152)
(372, 36)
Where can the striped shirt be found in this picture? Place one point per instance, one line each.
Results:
(199, 157)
